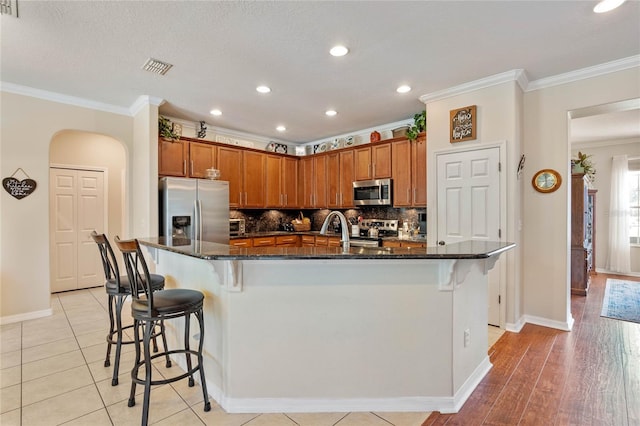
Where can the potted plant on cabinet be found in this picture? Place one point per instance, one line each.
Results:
(583, 164)
(419, 125)
(166, 129)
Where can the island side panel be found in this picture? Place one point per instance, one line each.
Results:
(340, 329)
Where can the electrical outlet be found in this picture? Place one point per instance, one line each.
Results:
(467, 337)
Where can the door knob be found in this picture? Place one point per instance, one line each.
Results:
(441, 242)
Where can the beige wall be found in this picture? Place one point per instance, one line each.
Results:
(602, 153)
(77, 149)
(499, 114)
(545, 226)
(27, 128)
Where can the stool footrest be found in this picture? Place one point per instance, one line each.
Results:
(194, 369)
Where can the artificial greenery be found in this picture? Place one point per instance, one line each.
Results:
(584, 162)
(165, 129)
(419, 124)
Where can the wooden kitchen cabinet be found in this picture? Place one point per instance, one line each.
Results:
(312, 175)
(287, 241)
(419, 171)
(372, 162)
(201, 157)
(264, 242)
(307, 240)
(307, 182)
(173, 157)
(409, 172)
(253, 166)
(347, 176)
(407, 244)
(333, 180)
(281, 182)
(241, 242)
(230, 166)
(582, 234)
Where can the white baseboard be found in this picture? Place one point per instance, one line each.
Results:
(444, 405)
(629, 274)
(26, 316)
(545, 322)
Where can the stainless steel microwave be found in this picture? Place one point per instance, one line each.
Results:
(236, 227)
(375, 192)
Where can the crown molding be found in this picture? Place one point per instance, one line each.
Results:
(581, 74)
(381, 127)
(143, 101)
(606, 143)
(63, 99)
(517, 75)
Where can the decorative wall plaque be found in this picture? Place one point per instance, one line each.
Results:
(19, 188)
(462, 123)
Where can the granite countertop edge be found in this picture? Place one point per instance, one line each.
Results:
(214, 251)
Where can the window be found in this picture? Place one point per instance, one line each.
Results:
(634, 204)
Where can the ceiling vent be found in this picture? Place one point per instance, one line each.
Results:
(155, 66)
(9, 7)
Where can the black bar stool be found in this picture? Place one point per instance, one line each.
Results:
(148, 308)
(117, 288)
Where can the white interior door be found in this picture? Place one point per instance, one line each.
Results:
(469, 206)
(76, 208)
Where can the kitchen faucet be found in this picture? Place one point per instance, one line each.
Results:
(343, 225)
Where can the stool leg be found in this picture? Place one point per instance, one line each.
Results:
(107, 362)
(136, 365)
(164, 342)
(119, 301)
(187, 320)
(148, 331)
(207, 404)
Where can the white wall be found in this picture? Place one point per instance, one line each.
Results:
(499, 114)
(602, 152)
(28, 126)
(546, 247)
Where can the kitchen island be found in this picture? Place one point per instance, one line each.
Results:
(313, 329)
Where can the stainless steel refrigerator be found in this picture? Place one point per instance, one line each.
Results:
(194, 209)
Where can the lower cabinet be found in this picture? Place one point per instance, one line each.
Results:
(241, 242)
(288, 241)
(407, 244)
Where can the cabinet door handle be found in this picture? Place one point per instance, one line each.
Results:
(191, 167)
(408, 194)
(184, 167)
(374, 171)
(414, 194)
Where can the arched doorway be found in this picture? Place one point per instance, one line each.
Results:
(87, 190)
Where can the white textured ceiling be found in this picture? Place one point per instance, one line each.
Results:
(221, 51)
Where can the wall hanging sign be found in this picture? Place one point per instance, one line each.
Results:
(19, 188)
(462, 123)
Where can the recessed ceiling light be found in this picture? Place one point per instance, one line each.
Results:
(215, 112)
(607, 5)
(403, 89)
(281, 128)
(330, 112)
(263, 89)
(339, 51)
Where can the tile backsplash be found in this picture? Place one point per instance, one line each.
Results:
(272, 220)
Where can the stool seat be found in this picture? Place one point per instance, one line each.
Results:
(112, 287)
(167, 302)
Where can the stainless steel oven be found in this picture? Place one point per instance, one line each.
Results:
(236, 227)
(375, 192)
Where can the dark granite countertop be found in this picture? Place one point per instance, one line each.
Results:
(211, 251)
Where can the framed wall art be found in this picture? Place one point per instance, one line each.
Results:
(462, 122)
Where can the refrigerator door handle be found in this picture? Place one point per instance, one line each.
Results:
(197, 233)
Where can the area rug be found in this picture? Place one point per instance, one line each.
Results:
(621, 300)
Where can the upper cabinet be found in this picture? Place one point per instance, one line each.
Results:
(409, 172)
(201, 157)
(268, 180)
(230, 166)
(281, 182)
(372, 162)
(173, 157)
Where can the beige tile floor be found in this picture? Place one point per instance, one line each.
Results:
(52, 373)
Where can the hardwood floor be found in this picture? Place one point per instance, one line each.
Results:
(543, 376)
